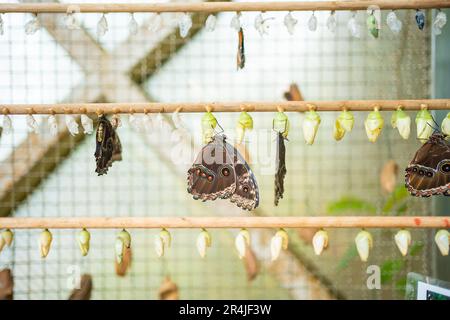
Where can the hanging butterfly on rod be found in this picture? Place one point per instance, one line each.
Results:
(241, 52)
(108, 147)
(220, 171)
(429, 171)
(280, 125)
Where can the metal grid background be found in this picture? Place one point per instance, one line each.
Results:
(37, 69)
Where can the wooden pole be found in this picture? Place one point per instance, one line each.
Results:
(224, 222)
(221, 6)
(288, 106)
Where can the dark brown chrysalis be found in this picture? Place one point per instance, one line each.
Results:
(241, 52)
(6, 285)
(281, 168)
(108, 147)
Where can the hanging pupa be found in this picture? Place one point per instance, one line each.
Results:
(320, 242)
(372, 25)
(242, 242)
(209, 123)
(210, 23)
(332, 22)
(102, 26)
(133, 26)
(52, 125)
(280, 125)
(7, 124)
(445, 126)
(108, 147)
(344, 123)
(8, 236)
(123, 242)
(290, 22)
(439, 22)
(32, 124)
(71, 22)
(1, 25)
(135, 122)
(403, 241)
(203, 242)
(442, 239)
(185, 24)
(364, 243)
(32, 26)
(235, 22)
(420, 19)
(310, 126)
(261, 24)
(240, 57)
(84, 238)
(425, 124)
(87, 123)
(280, 241)
(162, 241)
(156, 23)
(245, 122)
(45, 242)
(71, 124)
(374, 124)
(354, 27)
(312, 22)
(402, 122)
(393, 22)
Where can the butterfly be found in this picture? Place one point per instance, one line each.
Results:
(220, 171)
(108, 147)
(429, 171)
(281, 168)
(240, 54)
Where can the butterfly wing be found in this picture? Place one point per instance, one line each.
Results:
(429, 171)
(246, 195)
(108, 147)
(281, 168)
(212, 175)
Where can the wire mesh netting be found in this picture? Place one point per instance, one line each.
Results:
(50, 176)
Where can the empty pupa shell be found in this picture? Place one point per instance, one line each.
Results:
(8, 237)
(403, 241)
(320, 241)
(373, 124)
(364, 243)
(442, 238)
(203, 242)
(241, 242)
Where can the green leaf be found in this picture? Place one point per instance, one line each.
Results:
(350, 204)
(348, 256)
(395, 199)
(400, 284)
(390, 268)
(416, 248)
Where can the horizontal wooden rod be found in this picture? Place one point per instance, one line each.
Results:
(222, 6)
(288, 106)
(224, 222)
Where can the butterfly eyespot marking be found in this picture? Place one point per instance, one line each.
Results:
(414, 169)
(210, 178)
(429, 174)
(444, 166)
(197, 171)
(225, 172)
(245, 189)
(203, 175)
(421, 172)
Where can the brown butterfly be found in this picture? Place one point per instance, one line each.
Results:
(241, 54)
(429, 171)
(108, 147)
(220, 171)
(281, 168)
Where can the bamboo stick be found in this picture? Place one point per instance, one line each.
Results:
(288, 106)
(221, 6)
(225, 222)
